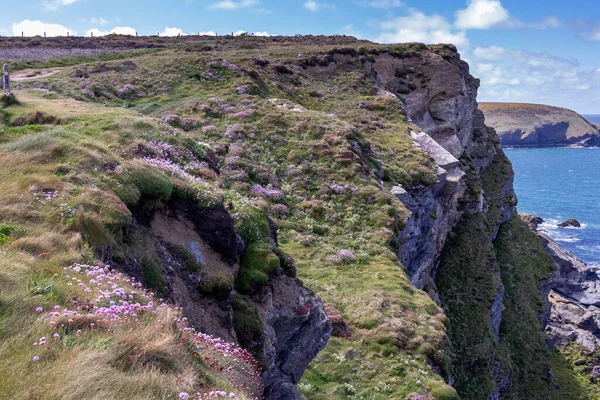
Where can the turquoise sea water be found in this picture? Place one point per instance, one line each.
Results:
(562, 183)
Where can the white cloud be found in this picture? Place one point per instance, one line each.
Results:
(382, 3)
(120, 30)
(418, 27)
(98, 21)
(548, 22)
(592, 35)
(207, 33)
(263, 34)
(52, 5)
(540, 61)
(521, 76)
(481, 14)
(172, 32)
(33, 28)
(232, 5)
(314, 6)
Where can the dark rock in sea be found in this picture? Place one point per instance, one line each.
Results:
(532, 220)
(570, 223)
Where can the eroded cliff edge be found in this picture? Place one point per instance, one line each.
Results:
(465, 245)
(372, 205)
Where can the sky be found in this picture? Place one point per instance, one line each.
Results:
(536, 51)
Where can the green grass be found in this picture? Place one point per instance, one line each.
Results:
(309, 136)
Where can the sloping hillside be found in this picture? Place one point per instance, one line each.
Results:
(536, 125)
(273, 192)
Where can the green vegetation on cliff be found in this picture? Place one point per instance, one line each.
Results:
(261, 131)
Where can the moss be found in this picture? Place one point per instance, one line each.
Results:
(216, 283)
(129, 194)
(149, 181)
(258, 261)
(153, 277)
(252, 224)
(208, 197)
(248, 326)
(440, 391)
(287, 262)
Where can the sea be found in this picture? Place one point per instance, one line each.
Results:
(558, 184)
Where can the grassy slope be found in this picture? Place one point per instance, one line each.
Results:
(51, 177)
(394, 328)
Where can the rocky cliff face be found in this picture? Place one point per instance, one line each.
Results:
(198, 253)
(572, 311)
(536, 125)
(450, 244)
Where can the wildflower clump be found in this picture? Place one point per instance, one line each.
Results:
(342, 257)
(112, 299)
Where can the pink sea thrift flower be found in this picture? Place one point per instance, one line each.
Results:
(39, 309)
(35, 359)
(184, 396)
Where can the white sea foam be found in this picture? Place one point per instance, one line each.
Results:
(567, 239)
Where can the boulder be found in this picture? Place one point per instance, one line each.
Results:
(532, 220)
(570, 223)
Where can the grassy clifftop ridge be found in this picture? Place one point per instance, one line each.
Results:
(255, 185)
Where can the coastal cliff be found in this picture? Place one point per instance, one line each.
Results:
(536, 125)
(337, 208)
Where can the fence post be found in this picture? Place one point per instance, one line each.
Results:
(6, 79)
(44, 34)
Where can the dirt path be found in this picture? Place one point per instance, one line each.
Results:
(28, 74)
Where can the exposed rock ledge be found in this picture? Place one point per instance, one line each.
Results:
(573, 299)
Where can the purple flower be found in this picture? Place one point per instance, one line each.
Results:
(35, 359)
(242, 114)
(236, 131)
(184, 396)
(126, 90)
(341, 189)
(39, 310)
(342, 256)
(270, 194)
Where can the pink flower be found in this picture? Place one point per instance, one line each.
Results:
(55, 336)
(184, 396)
(39, 309)
(35, 359)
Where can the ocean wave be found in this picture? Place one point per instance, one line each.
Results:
(552, 224)
(567, 239)
(590, 249)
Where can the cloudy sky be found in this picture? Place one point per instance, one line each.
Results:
(542, 51)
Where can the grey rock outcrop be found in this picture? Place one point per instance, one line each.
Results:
(532, 220)
(474, 176)
(434, 214)
(294, 323)
(296, 329)
(573, 299)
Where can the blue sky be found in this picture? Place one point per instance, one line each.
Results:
(543, 51)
